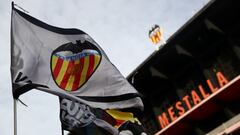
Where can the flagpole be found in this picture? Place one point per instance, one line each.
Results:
(62, 130)
(14, 101)
(15, 116)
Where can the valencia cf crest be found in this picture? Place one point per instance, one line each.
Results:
(73, 64)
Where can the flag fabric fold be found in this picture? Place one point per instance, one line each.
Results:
(67, 63)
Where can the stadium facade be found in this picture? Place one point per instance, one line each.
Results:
(192, 84)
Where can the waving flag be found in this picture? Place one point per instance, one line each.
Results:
(80, 119)
(67, 63)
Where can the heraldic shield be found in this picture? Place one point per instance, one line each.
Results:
(73, 64)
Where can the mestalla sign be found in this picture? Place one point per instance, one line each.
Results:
(195, 97)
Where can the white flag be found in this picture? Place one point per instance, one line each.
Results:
(67, 63)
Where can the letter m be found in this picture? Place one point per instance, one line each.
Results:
(163, 120)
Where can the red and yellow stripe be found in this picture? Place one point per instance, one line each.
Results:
(121, 117)
(156, 37)
(70, 74)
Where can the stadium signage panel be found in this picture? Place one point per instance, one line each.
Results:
(188, 101)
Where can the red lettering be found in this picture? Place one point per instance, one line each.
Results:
(171, 113)
(211, 86)
(180, 108)
(221, 79)
(185, 98)
(195, 97)
(163, 120)
(202, 91)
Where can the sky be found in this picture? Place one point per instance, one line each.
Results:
(120, 27)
